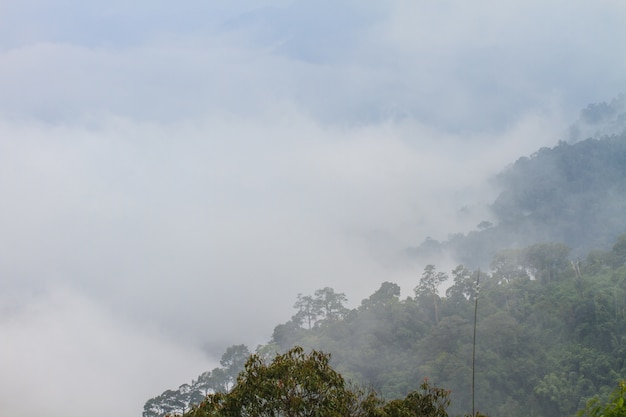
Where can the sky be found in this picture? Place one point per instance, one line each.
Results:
(173, 174)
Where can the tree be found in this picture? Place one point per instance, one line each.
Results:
(285, 335)
(233, 361)
(294, 384)
(330, 303)
(618, 254)
(297, 384)
(427, 401)
(428, 286)
(170, 402)
(388, 292)
(308, 310)
(465, 284)
(213, 381)
(326, 305)
(547, 261)
(616, 406)
(508, 265)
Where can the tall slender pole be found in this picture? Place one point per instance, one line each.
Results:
(474, 342)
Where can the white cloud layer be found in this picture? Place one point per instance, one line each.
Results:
(172, 176)
(63, 355)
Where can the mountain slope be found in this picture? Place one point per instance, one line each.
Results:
(573, 193)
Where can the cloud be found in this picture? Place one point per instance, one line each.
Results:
(450, 65)
(184, 223)
(66, 355)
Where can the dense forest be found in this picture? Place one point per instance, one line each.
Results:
(551, 334)
(550, 296)
(573, 193)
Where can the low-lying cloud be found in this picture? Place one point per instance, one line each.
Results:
(222, 217)
(62, 354)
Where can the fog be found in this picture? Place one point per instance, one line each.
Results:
(172, 176)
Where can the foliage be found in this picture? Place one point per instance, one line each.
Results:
(550, 336)
(294, 384)
(573, 193)
(428, 287)
(325, 306)
(298, 384)
(219, 380)
(551, 333)
(427, 401)
(616, 406)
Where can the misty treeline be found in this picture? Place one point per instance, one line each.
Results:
(573, 193)
(551, 335)
(551, 329)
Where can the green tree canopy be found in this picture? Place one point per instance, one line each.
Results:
(615, 407)
(297, 384)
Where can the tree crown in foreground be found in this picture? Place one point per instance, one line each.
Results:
(299, 384)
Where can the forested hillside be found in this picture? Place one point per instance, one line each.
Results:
(551, 334)
(573, 193)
